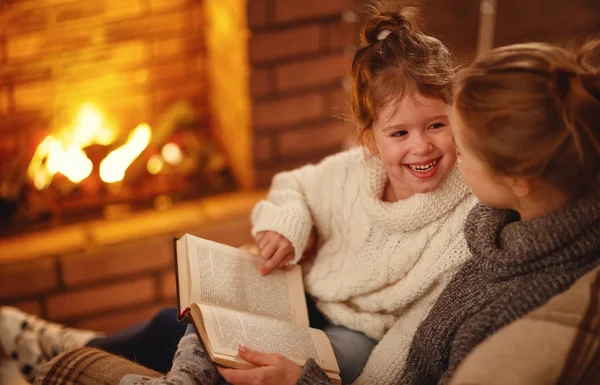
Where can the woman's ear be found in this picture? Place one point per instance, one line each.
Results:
(521, 187)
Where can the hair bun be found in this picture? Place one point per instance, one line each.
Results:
(386, 18)
(588, 56)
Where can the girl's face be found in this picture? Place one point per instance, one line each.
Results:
(490, 188)
(414, 141)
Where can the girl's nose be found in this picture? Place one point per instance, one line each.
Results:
(421, 145)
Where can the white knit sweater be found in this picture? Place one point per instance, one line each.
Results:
(380, 266)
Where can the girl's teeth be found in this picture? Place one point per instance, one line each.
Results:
(423, 167)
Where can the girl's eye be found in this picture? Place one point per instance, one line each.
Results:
(437, 126)
(398, 134)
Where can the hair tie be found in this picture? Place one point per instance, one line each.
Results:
(383, 34)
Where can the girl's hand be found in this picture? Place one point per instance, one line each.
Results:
(273, 369)
(276, 250)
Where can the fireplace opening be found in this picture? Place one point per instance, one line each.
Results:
(121, 106)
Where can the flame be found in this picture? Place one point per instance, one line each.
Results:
(113, 167)
(63, 153)
(171, 153)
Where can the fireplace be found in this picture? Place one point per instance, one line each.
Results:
(98, 254)
(110, 107)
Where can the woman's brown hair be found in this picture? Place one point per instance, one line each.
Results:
(533, 110)
(395, 57)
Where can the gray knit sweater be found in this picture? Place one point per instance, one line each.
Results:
(516, 267)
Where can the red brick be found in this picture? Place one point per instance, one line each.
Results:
(120, 320)
(262, 149)
(286, 111)
(168, 285)
(313, 139)
(292, 10)
(182, 69)
(283, 43)
(21, 279)
(21, 19)
(324, 70)
(80, 10)
(173, 48)
(4, 100)
(260, 84)
(117, 261)
(25, 73)
(31, 307)
(234, 231)
(339, 103)
(42, 43)
(164, 5)
(98, 299)
(24, 45)
(264, 174)
(190, 91)
(149, 25)
(257, 13)
(340, 35)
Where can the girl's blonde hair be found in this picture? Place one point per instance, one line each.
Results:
(395, 57)
(533, 110)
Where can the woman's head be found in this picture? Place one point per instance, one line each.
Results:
(527, 118)
(402, 86)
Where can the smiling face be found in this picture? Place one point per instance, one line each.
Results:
(414, 141)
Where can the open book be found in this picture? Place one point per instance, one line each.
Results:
(221, 292)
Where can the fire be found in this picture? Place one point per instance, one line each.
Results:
(64, 152)
(112, 168)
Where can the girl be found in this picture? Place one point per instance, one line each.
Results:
(389, 221)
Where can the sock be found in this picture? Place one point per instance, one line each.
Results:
(52, 339)
(191, 366)
(28, 354)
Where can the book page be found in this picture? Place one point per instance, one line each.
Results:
(228, 277)
(226, 329)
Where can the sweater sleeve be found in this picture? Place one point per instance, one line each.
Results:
(312, 374)
(387, 361)
(293, 199)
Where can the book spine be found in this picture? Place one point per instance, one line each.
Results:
(180, 313)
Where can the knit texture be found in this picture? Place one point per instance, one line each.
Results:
(191, 366)
(379, 266)
(516, 267)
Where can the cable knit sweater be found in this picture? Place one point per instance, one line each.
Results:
(379, 266)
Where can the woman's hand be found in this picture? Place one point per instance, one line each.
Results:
(274, 369)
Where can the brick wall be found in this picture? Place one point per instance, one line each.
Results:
(110, 287)
(300, 52)
(133, 57)
(299, 56)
